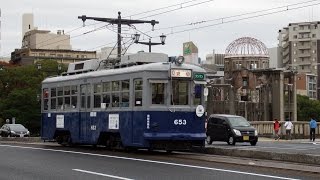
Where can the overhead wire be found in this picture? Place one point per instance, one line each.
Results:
(157, 9)
(241, 19)
(228, 17)
(179, 4)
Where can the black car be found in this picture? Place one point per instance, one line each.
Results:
(231, 129)
(14, 130)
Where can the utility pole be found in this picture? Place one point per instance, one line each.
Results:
(119, 22)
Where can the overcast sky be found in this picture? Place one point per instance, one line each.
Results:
(63, 14)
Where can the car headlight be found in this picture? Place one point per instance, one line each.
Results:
(255, 133)
(237, 132)
(12, 132)
(28, 132)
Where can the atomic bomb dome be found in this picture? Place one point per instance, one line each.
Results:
(246, 53)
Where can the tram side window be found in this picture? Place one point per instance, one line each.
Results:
(138, 92)
(180, 93)
(157, 93)
(115, 95)
(106, 89)
(67, 98)
(89, 96)
(60, 98)
(53, 98)
(74, 98)
(97, 89)
(45, 95)
(83, 96)
(197, 94)
(125, 87)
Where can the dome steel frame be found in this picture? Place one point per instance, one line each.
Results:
(246, 46)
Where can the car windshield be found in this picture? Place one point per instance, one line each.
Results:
(17, 127)
(238, 122)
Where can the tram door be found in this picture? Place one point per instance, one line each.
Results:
(85, 92)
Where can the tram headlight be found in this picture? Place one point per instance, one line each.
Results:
(179, 60)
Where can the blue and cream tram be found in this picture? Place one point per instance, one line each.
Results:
(151, 106)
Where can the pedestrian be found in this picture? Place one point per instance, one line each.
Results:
(288, 126)
(313, 126)
(276, 128)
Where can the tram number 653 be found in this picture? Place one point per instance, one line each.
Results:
(180, 122)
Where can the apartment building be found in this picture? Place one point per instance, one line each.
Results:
(299, 45)
(27, 56)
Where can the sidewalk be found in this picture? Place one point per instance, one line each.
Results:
(265, 139)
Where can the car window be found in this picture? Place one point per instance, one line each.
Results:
(238, 122)
(219, 121)
(17, 127)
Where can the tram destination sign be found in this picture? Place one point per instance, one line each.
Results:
(181, 73)
(198, 76)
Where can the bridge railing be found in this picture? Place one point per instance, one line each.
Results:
(301, 129)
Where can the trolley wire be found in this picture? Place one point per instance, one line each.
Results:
(223, 21)
(233, 16)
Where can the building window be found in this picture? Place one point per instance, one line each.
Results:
(294, 60)
(294, 28)
(42, 54)
(295, 36)
(313, 35)
(294, 44)
(52, 55)
(59, 55)
(315, 67)
(294, 52)
(313, 51)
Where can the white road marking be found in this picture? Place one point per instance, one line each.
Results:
(152, 161)
(101, 174)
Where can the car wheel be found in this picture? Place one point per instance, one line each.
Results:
(231, 140)
(209, 140)
(253, 143)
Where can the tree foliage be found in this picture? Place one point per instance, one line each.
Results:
(20, 89)
(307, 108)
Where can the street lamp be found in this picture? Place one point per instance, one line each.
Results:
(137, 36)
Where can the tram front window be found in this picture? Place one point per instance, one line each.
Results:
(180, 92)
(157, 93)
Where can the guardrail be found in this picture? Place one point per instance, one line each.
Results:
(301, 129)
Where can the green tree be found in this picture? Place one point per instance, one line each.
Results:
(20, 88)
(307, 107)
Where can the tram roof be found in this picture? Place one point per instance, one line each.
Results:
(138, 68)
